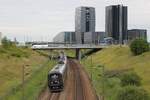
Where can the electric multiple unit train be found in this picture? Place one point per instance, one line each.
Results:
(56, 77)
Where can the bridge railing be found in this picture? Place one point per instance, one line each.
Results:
(69, 46)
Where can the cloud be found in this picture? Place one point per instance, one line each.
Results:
(48, 17)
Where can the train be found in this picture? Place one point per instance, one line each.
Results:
(57, 76)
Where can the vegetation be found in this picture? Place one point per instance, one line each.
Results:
(132, 93)
(130, 79)
(12, 60)
(117, 60)
(34, 85)
(70, 53)
(6, 42)
(139, 46)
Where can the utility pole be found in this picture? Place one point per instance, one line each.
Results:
(103, 81)
(120, 24)
(91, 67)
(23, 67)
(103, 86)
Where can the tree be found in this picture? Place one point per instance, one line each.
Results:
(132, 93)
(130, 79)
(139, 46)
(6, 42)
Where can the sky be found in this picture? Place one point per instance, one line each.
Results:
(41, 20)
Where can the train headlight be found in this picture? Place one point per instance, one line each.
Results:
(57, 82)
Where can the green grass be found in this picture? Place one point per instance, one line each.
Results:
(11, 61)
(70, 53)
(117, 58)
(33, 87)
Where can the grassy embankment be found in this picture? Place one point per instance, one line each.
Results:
(36, 67)
(68, 52)
(116, 60)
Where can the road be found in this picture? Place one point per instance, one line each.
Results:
(77, 85)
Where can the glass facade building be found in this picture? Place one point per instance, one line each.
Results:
(65, 37)
(94, 37)
(84, 22)
(116, 22)
(137, 34)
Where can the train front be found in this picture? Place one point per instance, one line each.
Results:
(55, 82)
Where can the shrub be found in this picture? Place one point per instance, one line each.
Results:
(139, 46)
(130, 79)
(18, 52)
(15, 55)
(132, 93)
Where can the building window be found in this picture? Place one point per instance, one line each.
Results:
(87, 20)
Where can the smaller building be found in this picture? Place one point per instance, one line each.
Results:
(98, 37)
(137, 34)
(93, 37)
(65, 37)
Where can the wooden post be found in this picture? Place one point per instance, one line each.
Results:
(23, 82)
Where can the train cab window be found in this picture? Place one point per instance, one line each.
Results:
(54, 76)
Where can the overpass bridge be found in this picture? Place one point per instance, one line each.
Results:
(68, 46)
(77, 47)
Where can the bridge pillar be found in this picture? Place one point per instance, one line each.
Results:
(78, 54)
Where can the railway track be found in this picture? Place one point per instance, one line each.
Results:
(77, 85)
(54, 96)
(47, 95)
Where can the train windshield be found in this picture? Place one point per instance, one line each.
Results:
(54, 76)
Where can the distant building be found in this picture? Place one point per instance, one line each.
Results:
(137, 34)
(93, 37)
(65, 37)
(84, 22)
(0, 38)
(116, 22)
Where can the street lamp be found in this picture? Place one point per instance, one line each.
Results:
(103, 79)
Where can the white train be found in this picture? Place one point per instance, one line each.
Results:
(39, 46)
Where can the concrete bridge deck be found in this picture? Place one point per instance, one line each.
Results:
(77, 46)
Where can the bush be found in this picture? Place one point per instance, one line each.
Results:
(130, 79)
(132, 93)
(18, 52)
(139, 46)
(15, 55)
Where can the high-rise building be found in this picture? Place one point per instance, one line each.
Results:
(84, 22)
(116, 22)
(65, 37)
(137, 34)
